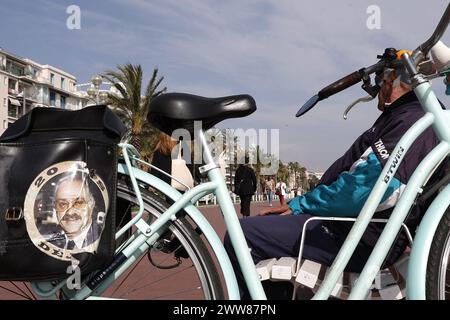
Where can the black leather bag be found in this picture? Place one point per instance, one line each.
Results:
(58, 175)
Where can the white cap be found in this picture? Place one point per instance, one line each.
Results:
(441, 56)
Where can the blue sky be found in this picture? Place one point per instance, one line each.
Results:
(281, 52)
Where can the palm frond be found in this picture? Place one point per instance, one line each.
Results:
(131, 106)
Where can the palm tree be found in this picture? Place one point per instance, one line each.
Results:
(132, 106)
(297, 170)
(283, 172)
(257, 167)
(313, 181)
(303, 181)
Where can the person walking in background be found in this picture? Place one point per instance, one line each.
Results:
(270, 189)
(280, 191)
(245, 186)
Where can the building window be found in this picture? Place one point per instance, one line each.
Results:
(12, 85)
(63, 102)
(62, 83)
(12, 111)
(5, 80)
(34, 73)
(15, 69)
(5, 103)
(52, 98)
(52, 79)
(5, 124)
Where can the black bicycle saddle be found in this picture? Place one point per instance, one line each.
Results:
(172, 111)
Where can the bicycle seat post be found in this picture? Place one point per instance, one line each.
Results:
(210, 164)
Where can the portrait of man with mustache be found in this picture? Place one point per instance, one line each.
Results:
(74, 206)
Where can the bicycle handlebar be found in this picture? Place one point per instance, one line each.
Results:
(437, 34)
(335, 87)
(387, 60)
(341, 84)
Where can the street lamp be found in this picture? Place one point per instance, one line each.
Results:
(94, 90)
(97, 81)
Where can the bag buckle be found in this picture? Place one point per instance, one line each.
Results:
(14, 214)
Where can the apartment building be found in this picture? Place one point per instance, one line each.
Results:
(25, 84)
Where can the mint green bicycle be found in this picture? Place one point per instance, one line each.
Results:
(160, 245)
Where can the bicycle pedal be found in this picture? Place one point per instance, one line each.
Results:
(308, 273)
(264, 268)
(284, 268)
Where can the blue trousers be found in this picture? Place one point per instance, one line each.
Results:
(269, 196)
(276, 236)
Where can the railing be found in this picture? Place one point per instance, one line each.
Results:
(13, 91)
(211, 200)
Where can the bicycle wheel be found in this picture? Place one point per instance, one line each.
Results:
(178, 266)
(438, 268)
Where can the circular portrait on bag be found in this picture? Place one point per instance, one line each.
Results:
(65, 210)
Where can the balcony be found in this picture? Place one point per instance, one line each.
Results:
(14, 72)
(15, 68)
(13, 92)
(29, 95)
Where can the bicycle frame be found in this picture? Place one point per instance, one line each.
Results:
(147, 234)
(435, 116)
(217, 186)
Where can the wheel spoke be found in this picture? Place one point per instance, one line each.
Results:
(18, 288)
(30, 291)
(14, 292)
(159, 280)
(129, 273)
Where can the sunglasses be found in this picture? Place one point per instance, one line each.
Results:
(380, 78)
(66, 204)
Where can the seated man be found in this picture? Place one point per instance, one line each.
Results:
(343, 190)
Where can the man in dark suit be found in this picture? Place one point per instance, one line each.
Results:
(245, 186)
(74, 206)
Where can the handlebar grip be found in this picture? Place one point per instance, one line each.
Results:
(341, 84)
